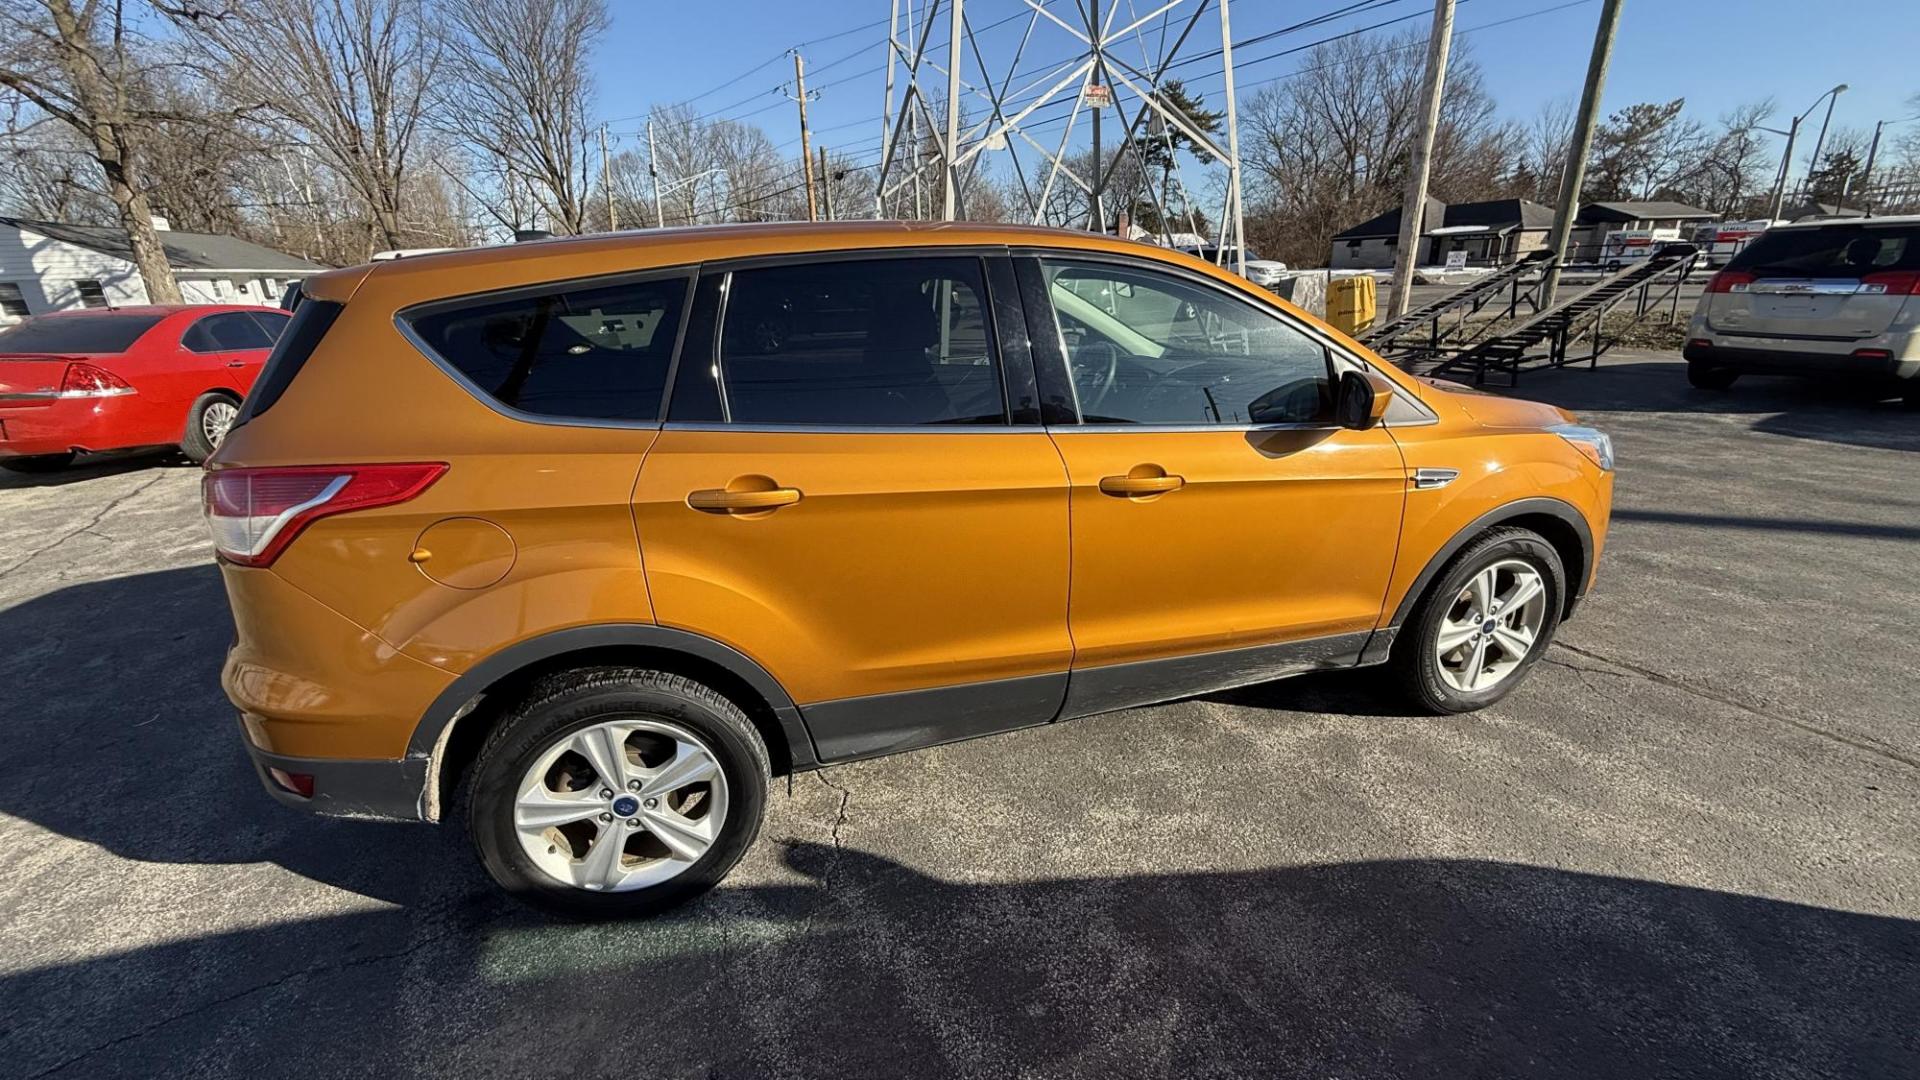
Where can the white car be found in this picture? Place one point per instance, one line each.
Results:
(1262, 272)
(1823, 299)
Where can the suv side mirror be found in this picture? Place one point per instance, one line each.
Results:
(1363, 400)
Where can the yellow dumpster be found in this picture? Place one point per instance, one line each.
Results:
(1350, 303)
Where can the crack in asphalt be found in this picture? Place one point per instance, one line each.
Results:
(1865, 743)
(328, 969)
(839, 821)
(91, 524)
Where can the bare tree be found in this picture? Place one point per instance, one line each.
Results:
(48, 173)
(1646, 150)
(80, 67)
(1542, 158)
(346, 78)
(1842, 165)
(719, 170)
(517, 93)
(1328, 147)
(1737, 169)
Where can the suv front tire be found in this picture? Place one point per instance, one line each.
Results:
(1483, 624)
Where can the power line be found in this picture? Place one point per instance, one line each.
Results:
(850, 161)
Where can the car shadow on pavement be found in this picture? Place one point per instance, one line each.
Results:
(867, 967)
(1367, 691)
(119, 680)
(113, 688)
(1755, 523)
(93, 466)
(1797, 408)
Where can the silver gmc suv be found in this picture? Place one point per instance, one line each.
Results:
(1825, 299)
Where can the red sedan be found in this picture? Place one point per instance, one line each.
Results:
(95, 379)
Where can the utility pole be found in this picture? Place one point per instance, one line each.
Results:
(653, 180)
(956, 29)
(1786, 164)
(1814, 162)
(1866, 175)
(1574, 176)
(826, 183)
(1233, 145)
(1412, 208)
(806, 145)
(606, 181)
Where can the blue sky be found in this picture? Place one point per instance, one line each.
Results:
(1715, 53)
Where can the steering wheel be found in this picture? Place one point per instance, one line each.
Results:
(1096, 368)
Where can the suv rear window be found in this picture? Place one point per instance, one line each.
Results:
(597, 351)
(76, 333)
(290, 353)
(1841, 250)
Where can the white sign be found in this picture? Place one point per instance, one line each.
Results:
(1098, 96)
(1456, 260)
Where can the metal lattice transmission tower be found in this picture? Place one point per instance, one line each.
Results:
(930, 148)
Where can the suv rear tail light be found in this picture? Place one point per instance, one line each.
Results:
(86, 380)
(1891, 283)
(1729, 281)
(256, 513)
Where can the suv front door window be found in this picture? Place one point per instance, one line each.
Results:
(1145, 348)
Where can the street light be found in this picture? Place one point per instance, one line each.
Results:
(1866, 175)
(1792, 133)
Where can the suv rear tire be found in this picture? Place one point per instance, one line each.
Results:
(1440, 681)
(1706, 376)
(540, 763)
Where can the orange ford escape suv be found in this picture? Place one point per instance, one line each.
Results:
(582, 540)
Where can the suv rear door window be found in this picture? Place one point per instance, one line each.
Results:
(587, 351)
(865, 343)
(76, 333)
(1844, 251)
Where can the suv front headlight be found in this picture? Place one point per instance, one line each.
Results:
(1592, 442)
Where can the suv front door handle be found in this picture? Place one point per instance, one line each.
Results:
(1140, 485)
(722, 499)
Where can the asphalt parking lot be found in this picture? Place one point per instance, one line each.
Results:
(1689, 846)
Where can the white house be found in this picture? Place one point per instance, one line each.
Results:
(49, 265)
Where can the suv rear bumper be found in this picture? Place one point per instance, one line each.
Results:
(1792, 362)
(389, 790)
(321, 698)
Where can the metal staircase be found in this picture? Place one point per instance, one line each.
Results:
(1543, 340)
(1420, 331)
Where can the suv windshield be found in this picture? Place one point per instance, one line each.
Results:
(76, 334)
(1849, 250)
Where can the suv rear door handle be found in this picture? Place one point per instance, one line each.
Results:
(722, 499)
(1140, 485)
